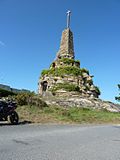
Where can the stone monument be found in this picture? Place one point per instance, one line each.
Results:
(65, 77)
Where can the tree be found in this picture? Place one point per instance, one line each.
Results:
(118, 98)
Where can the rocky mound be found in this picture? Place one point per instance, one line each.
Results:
(84, 102)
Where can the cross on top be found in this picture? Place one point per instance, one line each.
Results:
(68, 18)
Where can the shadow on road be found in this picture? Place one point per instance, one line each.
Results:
(5, 123)
(117, 126)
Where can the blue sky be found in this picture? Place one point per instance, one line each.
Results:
(30, 32)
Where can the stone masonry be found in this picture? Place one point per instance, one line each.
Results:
(66, 46)
(65, 77)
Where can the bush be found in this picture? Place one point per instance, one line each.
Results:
(24, 98)
(30, 99)
(84, 70)
(77, 61)
(44, 72)
(97, 90)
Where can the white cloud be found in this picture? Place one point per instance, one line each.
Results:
(2, 43)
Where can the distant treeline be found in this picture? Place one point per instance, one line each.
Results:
(5, 93)
(6, 90)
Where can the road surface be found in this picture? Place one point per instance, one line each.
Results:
(59, 142)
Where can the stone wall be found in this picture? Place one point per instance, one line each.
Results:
(84, 83)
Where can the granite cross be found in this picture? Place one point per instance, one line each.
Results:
(68, 18)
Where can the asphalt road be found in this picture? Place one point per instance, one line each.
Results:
(59, 142)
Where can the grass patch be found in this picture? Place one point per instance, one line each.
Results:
(66, 86)
(66, 70)
(66, 115)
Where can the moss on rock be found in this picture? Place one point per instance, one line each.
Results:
(66, 70)
(66, 87)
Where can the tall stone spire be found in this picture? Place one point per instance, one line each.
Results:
(65, 77)
(66, 46)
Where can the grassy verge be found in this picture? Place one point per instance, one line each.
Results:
(66, 115)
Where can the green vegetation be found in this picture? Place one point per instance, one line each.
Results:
(23, 98)
(66, 86)
(61, 71)
(118, 97)
(84, 70)
(5, 93)
(45, 72)
(97, 90)
(77, 61)
(67, 60)
(66, 70)
(29, 98)
(66, 115)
